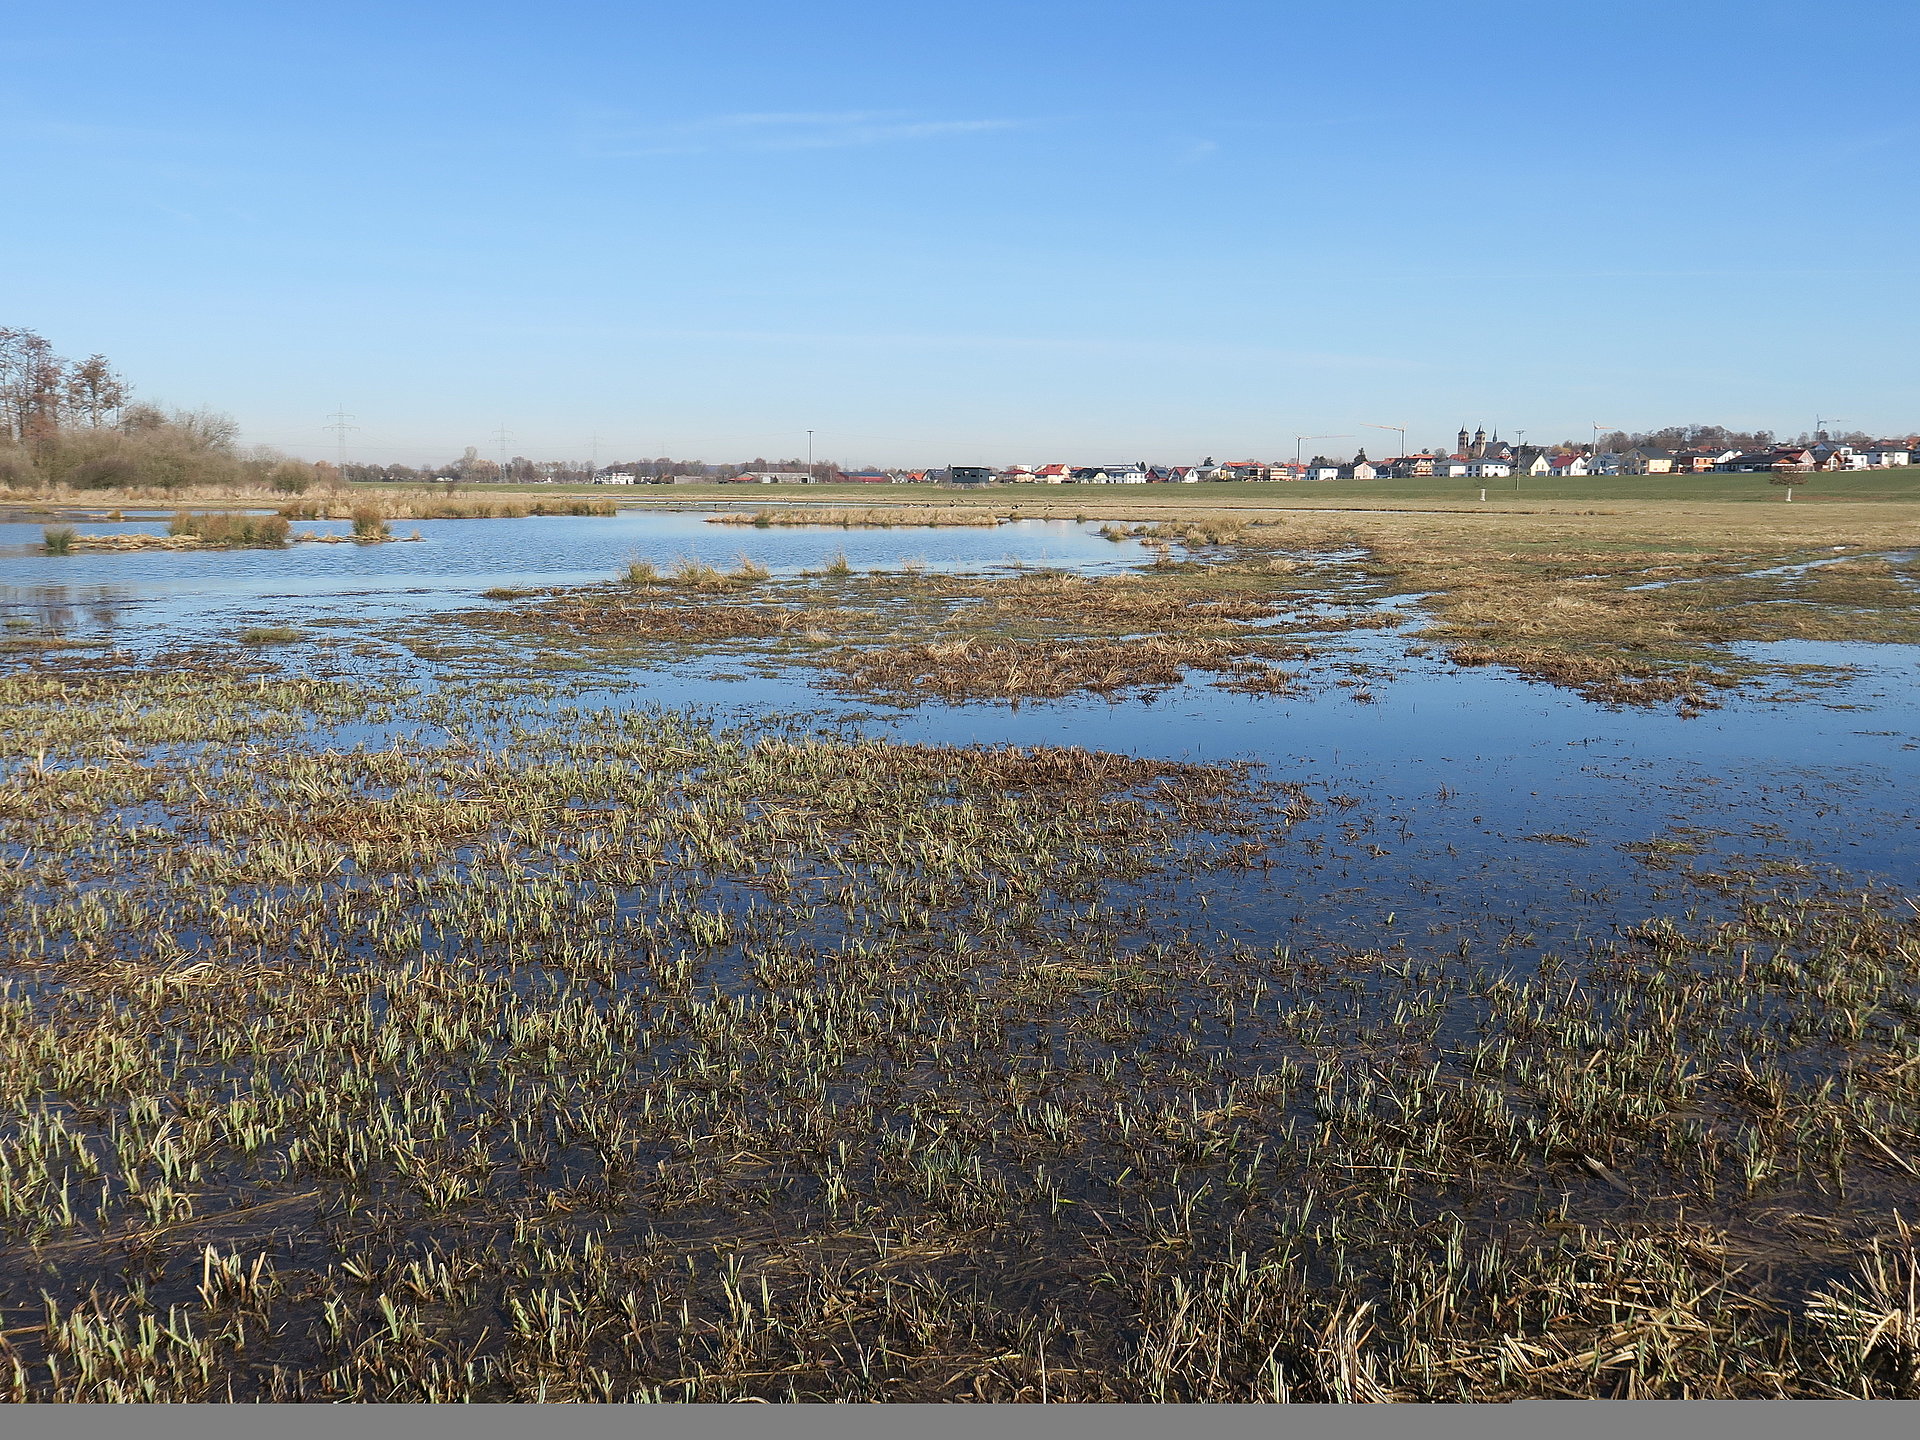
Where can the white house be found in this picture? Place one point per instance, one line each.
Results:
(1883, 454)
(1566, 466)
(1122, 474)
(1488, 469)
(615, 477)
(776, 477)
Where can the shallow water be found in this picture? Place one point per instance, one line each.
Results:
(1488, 808)
(137, 597)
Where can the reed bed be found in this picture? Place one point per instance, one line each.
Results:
(226, 530)
(539, 1054)
(425, 505)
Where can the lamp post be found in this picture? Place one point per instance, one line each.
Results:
(810, 474)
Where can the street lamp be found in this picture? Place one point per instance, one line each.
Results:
(810, 474)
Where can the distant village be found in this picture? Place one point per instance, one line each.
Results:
(1475, 456)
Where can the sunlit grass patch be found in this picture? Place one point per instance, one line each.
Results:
(271, 635)
(230, 530)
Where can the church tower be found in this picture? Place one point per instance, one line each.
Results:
(1479, 451)
(1462, 450)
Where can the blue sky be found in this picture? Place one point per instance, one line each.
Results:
(984, 232)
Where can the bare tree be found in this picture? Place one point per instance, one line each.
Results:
(94, 392)
(30, 386)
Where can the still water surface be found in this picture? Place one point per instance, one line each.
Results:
(1488, 808)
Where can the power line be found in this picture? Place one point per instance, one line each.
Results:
(340, 424)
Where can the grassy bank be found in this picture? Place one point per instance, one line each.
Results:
(392, 502)
(1899, 486)
(411, 501)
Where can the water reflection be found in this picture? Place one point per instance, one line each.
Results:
(175, 593)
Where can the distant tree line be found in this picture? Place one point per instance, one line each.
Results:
(472, 468)
(1715, 437)
(75, 423)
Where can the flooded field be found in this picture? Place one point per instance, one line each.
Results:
(640, 958)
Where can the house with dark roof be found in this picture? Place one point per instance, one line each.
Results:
(1646, 460)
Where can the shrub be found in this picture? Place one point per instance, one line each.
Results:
(369, 524)
(231, 531)
(104, 472)
(290, 477)
(58, 539)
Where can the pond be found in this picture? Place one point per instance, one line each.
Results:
(138, 597)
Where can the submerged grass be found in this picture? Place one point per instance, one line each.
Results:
(537, 1054)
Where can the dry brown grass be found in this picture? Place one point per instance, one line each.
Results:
(869, 517)
(1133, 600)
(429, 505)
(628, 621)
(975, 669)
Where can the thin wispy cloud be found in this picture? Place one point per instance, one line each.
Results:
(779, 130)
